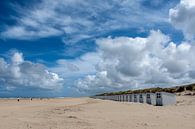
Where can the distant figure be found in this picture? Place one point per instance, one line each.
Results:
(31, 99)
(18, 99)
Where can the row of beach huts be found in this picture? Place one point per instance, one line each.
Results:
(157, 99)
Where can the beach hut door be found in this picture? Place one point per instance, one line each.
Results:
(159, 99)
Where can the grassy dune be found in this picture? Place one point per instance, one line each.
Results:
(176, 89)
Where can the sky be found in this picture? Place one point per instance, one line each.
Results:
(72, 48)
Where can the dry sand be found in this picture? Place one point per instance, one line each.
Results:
(86, 113)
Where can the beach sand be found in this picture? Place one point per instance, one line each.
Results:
(87, 113)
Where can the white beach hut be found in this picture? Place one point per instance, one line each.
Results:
(109, 97)
(118, 97)
(112, 97)
(142, 98)
(104, 97)
(126, 97)
(164, 98)
(123, 96)
(131, 98)
(151, 98)
(115, 97)
(135, 97)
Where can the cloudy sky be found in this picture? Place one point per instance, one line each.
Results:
(82, 47)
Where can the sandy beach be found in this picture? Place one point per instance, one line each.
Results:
(87, 113)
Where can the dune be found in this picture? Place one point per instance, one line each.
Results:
(87, 113)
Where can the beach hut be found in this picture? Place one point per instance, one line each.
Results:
(151, 98)
(130, 98)
(104, 97)
(114, 97)
(126, 97)
(96, 97)
(163, 98)
(109, 97)
(118, 97)
(142, 98)
(135, 97)
(123, 98)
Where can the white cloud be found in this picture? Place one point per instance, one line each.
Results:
(21, 73)
(17, 58)
(140, 62)
(189, 3)
(73, 68)
(81, 19)
(21, 32)
(183, 17)
(98, 82)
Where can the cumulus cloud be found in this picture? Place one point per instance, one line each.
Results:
(19, 73)
(74, 68)
(140, 62)
(81, 19)
(183, 17)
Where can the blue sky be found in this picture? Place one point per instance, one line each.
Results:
(84, 47)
